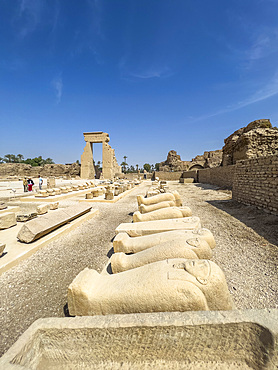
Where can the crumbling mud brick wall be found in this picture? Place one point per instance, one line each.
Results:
(167, 176)
(256, 183)
(219, 176)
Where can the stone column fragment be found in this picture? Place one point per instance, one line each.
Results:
(162, 214)
(124, 243)
(152, 227)
(163, 286)
(193, 248)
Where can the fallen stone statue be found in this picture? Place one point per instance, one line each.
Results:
(158, 226)
(126, 244)
(163, 286)
(165, 197)
(162, 214)
(192, 248)
(153, 207)
(43, 225)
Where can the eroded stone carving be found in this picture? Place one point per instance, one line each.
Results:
(162, 214)
(153, 207)
(126, 244)
(158, 226)
(163, 286)
(165, 197)
(7, 219)
(192, 248)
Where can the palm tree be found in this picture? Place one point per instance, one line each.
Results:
(19, 158)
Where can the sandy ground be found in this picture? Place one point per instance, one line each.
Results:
(246, 251)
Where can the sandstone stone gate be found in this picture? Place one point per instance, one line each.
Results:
(110, 166)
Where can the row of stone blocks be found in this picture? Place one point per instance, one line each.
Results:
(63, 189)
(172, 340)
(170, 268)
(9, 219)
(111, 190)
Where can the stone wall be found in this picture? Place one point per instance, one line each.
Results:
(193, 174)
(167, 176)
(220, 176)
(256, 182)
(22, 169)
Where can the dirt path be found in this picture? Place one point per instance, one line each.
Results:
(245, 251)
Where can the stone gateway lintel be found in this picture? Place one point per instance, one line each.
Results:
(109, 163)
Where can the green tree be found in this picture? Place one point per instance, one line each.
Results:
(8, 158)
(147, 167)
(48, 161)
(156, 166)
(19, 158)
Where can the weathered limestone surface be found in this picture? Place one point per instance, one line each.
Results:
(53, 205)
(153, 207)
(109, 195)
(26, 217)
(162, 214)
(124, 243)
(190, 249)
(158, 226)
(42, 209)
(43, 225)
(257, 139)
(227, 340)
(165, 197)
(3, 205)
(2, 247)
(163, 286)
(7, 219)
(109, 163)
(42, 194)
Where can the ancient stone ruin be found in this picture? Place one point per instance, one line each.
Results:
(257, 139)
(174, 163)
(110, 166)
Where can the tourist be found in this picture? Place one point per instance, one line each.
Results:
(30, 184)
(40, 182)
(25, 185)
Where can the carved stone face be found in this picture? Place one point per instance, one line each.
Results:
(200, 269)
(194, 242)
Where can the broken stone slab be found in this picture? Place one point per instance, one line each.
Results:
(3, 205)
(7, 220)
(42, 209)
(158, 226)
(153, 207)
(26, 217)
(53, 205)
(64, 189)
(194, 248)
(126, 244)
(89, 196)
(43, 225)
(109, 195)
(230, 340)
(162, 214)
(42, 194)
(75, 187)
(57, 191)
(2, 247)
(165, 286)
(165, 197)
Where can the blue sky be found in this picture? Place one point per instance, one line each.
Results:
(155, 74)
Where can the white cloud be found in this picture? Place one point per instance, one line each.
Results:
(57, 84)
(266, 92)
(29, 16)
